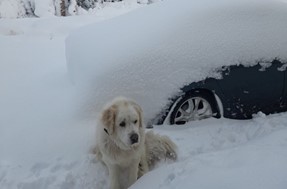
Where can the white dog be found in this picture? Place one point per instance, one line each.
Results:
(124, 147)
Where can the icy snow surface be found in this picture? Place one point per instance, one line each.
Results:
(151, 53)
(44, 143)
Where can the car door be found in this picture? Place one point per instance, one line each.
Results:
(248, 90)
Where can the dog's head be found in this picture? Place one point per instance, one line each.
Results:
(122, 121)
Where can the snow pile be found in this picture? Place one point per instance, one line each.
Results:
(226, 154)
(151, 53)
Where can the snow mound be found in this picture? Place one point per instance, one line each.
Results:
(225, 154)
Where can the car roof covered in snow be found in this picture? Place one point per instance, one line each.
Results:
(154, 51)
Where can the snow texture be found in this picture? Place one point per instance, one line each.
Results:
(225, 154)
(45, 143)
(44, 8)
(50, 8)
(12, 9)
(151, 53)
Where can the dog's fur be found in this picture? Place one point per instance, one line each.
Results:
(124, 147)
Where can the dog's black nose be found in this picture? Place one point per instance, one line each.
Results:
(134, 138)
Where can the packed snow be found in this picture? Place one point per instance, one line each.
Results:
(150, 54)
(45, 138)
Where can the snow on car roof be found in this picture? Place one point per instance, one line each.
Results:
(152, 52)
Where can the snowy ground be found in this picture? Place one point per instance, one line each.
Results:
(44, 144)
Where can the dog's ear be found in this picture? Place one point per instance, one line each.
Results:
(139, 111)
(108, 119)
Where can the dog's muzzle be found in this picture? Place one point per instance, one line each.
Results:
(134, 138)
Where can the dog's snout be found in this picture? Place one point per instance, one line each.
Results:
(134, 138)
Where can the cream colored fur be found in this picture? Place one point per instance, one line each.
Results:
(128, 159)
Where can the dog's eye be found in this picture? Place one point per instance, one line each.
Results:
(135, 121)
(123, 124)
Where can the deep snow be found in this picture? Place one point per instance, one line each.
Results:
(225, 154)
(151, 53)
(45, 143)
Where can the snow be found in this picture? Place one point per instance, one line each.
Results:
(169, 44)
(11, 9)
(45, 140)
(44, 8)
(51, 8)
(225, 154)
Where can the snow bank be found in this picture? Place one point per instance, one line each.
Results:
(43, 143)
(225, 154)
(150, 53)
(258, 164)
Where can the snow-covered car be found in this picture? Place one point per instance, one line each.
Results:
(242, 91)
(187, 60)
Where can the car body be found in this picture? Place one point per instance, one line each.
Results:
(241, 92)
(226, 57)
